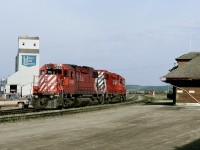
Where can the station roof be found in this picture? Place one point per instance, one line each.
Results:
(189, 56)
(191, 69)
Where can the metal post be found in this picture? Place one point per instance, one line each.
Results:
(21, 90)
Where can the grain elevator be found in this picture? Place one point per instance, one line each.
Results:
(26, 66)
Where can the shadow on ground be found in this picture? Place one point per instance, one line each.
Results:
(195, 145)
(169, 103)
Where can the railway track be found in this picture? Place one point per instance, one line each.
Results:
(17, 111)
(20, 115)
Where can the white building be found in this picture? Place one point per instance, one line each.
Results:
(26, 66)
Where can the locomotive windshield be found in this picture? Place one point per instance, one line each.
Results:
(49, 72)
(53, 70)
(56, 72)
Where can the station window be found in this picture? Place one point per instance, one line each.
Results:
(34, 44)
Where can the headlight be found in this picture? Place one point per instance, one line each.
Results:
(51, 96)
(36, 96)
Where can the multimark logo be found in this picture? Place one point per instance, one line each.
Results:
(28, 60)
(100, 83)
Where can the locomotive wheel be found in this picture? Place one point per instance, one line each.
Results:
(68, 103)
(94, 101)
(40, 103)
(35, 103)
(84, 102)
(116, 99)
(75, 102)
(101, 99)
(109, 99)
(124, 97)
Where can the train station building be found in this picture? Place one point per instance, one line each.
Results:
(26, 66)
(185, 78)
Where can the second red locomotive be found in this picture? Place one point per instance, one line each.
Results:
(65, 85)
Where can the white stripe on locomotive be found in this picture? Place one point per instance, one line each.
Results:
(47, 83)
(100, 83)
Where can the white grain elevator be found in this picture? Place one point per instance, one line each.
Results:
(26, 66)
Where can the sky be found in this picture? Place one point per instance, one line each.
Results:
(138, 39)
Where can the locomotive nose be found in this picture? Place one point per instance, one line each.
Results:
(48, 84)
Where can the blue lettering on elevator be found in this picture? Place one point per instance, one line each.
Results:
(28, 60)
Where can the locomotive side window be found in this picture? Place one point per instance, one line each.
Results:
(121, 81)
(65, 73)
(114, 81)
(95, 74)
(72, 75)
(106, 76)
(78, 77)
(58, 71)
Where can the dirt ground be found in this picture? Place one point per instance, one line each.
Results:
(134, 127)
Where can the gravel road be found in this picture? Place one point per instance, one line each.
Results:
(139, 127)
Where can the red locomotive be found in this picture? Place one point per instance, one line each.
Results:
(65, 85)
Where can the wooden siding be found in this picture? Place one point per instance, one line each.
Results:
(182, 62)
(183, 97)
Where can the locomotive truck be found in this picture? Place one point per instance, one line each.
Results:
(66, 85)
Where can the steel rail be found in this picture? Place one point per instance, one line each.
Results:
(52, 113)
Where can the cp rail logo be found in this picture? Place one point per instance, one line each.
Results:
(100, 83)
